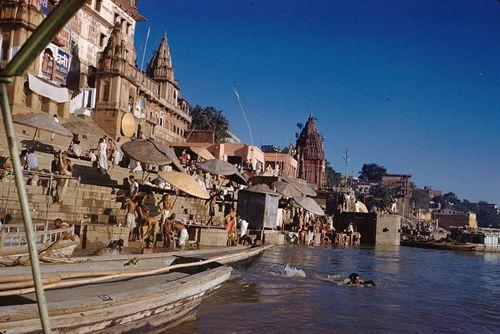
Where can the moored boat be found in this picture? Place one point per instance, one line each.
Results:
(440, 245)
(140, 293)
(50, 242)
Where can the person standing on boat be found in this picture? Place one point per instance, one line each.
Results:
(103, 158)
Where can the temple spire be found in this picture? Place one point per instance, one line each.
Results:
(160, 66)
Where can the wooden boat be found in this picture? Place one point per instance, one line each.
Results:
(142, 294)
(53, 242)
(440, 245)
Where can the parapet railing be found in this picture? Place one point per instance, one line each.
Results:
(14, 235)
(40, 174)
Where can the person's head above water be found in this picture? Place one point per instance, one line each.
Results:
(355, 278)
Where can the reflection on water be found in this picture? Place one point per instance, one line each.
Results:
(298, 289)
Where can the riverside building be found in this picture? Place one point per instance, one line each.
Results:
(89, 71)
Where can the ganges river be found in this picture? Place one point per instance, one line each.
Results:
(294, 289)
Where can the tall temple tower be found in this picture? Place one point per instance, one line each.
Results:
(160, 69)
(116, 83)
(310, 154)
(174, 115)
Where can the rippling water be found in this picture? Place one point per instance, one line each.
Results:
(296, 289)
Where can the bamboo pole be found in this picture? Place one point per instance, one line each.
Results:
(30, 50)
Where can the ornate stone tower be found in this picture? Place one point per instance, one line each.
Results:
(160, 69)
(310, 153)
(116, 82)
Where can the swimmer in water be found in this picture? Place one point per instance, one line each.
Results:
(355, 279)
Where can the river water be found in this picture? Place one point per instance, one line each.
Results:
(293, 289)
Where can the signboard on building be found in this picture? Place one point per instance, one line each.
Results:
(44, 6)
(54, 64)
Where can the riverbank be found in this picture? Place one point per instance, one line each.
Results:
(418, 290)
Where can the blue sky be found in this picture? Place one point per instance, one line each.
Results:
(411, 85)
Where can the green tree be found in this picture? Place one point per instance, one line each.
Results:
(211, 119)
(332, 177)
(451, 198)
(380, 197)
(372, 172)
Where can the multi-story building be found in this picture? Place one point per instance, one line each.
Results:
(310, 154)
(402, 188)
(90, 69)
(282, 164)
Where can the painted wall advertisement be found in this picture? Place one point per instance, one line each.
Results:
(54, 64)
(44, 6)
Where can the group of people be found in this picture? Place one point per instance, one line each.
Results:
(107, 154)
(237, 230)
(150, 222)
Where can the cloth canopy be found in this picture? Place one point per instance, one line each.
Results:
(57, 94)
(185, 183)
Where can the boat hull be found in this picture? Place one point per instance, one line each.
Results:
(161, 307)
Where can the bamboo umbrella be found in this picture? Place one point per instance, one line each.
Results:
(309, 204)
(219, 167)
(202, 152)
(301, 186)
(145, 152)
(185, 183)
(169, 152)
(41, 121)
(286, 189)
(258, 188)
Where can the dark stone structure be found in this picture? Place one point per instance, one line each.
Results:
(310, 154)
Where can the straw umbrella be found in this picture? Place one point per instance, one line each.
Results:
(309, 204)
(41, 121)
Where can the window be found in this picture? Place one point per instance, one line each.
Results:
(105, 91)
(102, 40)
(5, 44)
(128, 28)
(98, 4)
